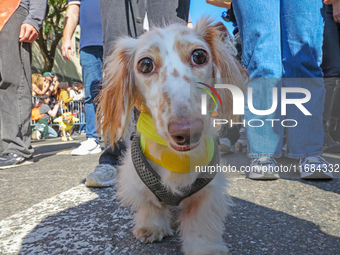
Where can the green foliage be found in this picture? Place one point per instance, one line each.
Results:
(52, 31)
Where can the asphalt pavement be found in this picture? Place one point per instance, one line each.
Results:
(45, 208)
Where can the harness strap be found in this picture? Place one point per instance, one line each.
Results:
(153, 181)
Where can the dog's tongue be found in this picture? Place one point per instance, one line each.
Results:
(184, 148)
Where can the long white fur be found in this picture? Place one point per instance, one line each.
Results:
(203, 214)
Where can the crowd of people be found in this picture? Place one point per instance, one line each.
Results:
(276, 46)
(55, 97)
(48, 84)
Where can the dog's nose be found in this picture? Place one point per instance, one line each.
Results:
(186, 132)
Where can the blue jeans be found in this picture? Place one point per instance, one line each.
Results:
(51, 133)
(281, 40)
(91, 60)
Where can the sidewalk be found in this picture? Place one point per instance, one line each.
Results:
(45, 208)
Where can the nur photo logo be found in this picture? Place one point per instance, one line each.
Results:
(239, 104)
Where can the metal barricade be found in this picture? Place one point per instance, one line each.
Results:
(75, 107)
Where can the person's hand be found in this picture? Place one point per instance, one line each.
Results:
(28, 33)
(65, 47)
(330, 1)
(336, 11)
(55, 78)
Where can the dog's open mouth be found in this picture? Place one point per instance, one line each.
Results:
(184, 148)
(185, 135)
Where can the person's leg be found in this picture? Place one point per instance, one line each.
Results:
(15, 89)
(51, 133)
(121, 18)
(331, 69)
(259, 26)
(228, 137)
(302, 36)
(260, 32)
(91, 60)
(302, 55)
(105, 172)
(334, 123)
(104, 175)
(164, 12)
(129, 15)
(106, 157)
(331, 46)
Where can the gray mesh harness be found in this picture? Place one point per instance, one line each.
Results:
(153, 181)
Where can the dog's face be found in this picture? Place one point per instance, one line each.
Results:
(166, 61)
(158, 73)
(67, 118)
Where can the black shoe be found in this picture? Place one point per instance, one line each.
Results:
(329, 145)
(8, 160)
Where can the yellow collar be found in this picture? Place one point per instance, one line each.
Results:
(165, 156)
(146, 126)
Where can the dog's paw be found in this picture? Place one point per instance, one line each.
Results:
(147, 235)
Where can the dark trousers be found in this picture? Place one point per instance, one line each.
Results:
(331, 45)
(125, 18)
(15, 88)
(165, 12)
(330, 61)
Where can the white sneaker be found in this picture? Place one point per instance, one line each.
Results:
(90, 146)
(263, 169)
(104, 175)
(315, 168)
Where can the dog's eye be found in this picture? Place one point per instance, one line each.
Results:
(145, 65)
(199, 57)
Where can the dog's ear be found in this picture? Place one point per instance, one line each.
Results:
(227, 70)
(115, 99)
